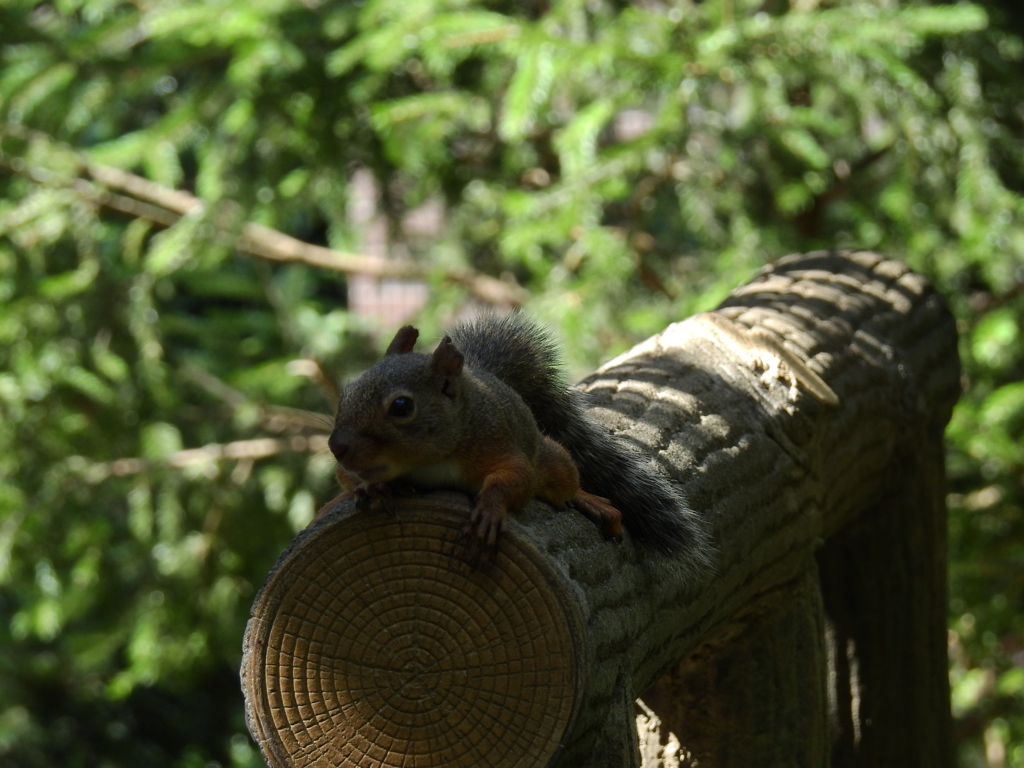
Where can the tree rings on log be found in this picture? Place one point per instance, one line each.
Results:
(374, 643)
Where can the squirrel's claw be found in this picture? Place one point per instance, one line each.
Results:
(486, 524)
(376, 496)
(479, 536)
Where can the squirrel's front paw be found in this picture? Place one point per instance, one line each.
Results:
(481, 532)
(486, 525)
(375, 496)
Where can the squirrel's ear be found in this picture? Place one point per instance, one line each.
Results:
(403, 342)
(447, 359)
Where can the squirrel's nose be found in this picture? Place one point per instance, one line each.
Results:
(338, 448)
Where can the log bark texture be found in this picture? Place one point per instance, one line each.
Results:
(803, 419)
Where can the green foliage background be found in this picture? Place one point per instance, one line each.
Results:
(770, 127)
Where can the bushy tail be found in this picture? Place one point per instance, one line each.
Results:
(522, 355)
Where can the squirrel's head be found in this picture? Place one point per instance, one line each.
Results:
(402, 413)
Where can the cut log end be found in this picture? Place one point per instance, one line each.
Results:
(375, 643)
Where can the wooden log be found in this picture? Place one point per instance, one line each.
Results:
(784, 416)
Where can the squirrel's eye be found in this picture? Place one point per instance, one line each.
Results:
(401, 407)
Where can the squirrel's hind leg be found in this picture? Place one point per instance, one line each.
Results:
(558, 479)
(559, 485)
(601, 511)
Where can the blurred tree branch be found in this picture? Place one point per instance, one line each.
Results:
(162, 205)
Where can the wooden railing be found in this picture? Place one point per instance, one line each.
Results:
(803, 419)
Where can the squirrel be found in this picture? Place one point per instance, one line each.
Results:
(488, 412)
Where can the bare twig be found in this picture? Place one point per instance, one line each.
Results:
(129, 205)
(312, 368)
(182, 203)
(276, 418)
(239, 450)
